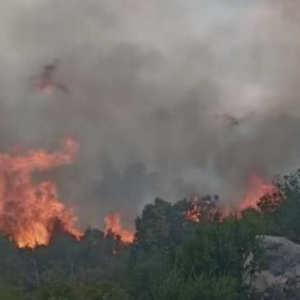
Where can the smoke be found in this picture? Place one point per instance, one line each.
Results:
(150, 84)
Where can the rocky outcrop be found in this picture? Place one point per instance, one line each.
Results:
(283, 272)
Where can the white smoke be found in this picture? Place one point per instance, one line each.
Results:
(151, 83)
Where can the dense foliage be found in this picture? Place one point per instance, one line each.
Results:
(172, 257)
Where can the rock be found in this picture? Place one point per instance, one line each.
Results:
(283, 255)
(283, 258)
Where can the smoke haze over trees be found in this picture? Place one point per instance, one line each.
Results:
(172, 258)
(150, 85)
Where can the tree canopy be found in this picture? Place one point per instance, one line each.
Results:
(172, 257)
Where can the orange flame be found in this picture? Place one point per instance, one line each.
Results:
(113, 224)
(193, 214)
(30, 212)
(256, 189)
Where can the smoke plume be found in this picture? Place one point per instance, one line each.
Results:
(152, 87)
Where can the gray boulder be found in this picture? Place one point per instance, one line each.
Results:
(283, 259)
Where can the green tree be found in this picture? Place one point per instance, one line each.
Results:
(54, 290)
(149, 259)
(202, 287)
(281, 208)
(287, 214)
(219, 249)
(102, 291)
(205, 288)
(11, 292)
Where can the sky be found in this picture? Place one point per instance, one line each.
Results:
(150, 84)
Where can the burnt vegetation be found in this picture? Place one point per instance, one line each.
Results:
(171, 258)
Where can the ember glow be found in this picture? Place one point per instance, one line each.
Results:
(193, 214)
(113, 225)
(31, 212)
(257, 188)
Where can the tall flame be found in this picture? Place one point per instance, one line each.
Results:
(30, 212)
(113, 224)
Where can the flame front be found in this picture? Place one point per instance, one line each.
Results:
(113, 224)
(257, 188)
(31, 212)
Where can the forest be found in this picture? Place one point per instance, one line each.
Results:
(172, 256)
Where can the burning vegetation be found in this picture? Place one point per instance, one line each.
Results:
(257, 191)
(30, 212)
(196, 234)
(113, 225)
(257, 188)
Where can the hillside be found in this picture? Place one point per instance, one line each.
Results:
(172, 257)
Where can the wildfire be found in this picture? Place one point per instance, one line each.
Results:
(113, 224)
(257, 188)
(193, 214)
(30, 212)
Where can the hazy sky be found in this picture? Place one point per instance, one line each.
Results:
(149, 81)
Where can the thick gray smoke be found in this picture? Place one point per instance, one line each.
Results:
(151, 83)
